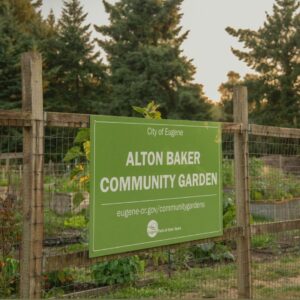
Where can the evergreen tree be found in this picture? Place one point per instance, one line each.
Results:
(274, 54)
(146, 63)
(29, 18)
(253, 84)
(76, 76)
(20, 30)
(9, 59)
(226, 91)
(50, 52)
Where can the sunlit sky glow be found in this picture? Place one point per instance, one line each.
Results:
(207, 44)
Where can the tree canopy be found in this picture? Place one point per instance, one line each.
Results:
(76, 75)
(273, 51)
(145, 61)
(143, 47)
(21, 29)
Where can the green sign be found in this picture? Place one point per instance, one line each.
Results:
(153, 183)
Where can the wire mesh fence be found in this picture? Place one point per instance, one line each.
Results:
(195, 270)
(276, 265)
(275, 178)
(201, 270)
(10, 208)
(66, 218)
(275, 196)
(62, 193)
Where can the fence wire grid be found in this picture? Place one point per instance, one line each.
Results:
(204, 270)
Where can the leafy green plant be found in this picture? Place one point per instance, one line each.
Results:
(262, 241)
(212, 252)
(118, 271)
(65, 185)
(76, 222)
(158, 258)
(273, 184)
(80, 153)
(150, 111)
(181, 258)
(9, 277)
(58, 279)
(228, 173)
(215, 252)
(54, 293)
(266, 182)
(229, 211)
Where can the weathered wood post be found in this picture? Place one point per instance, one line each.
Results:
(32, 185)
(240, 112)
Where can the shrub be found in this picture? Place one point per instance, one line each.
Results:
(118, 271)
(212, 252)
(58, 279)
(273, 184)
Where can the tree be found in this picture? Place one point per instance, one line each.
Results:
(274, 55)
(226, 91)
(76, 76)
(27, 13)
(143, 43)
(49, 50)
(21, 28)
(255, 89)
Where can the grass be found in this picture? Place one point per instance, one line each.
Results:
(277, 278)
(281, 292)
(263, 241)
(196, 281)
(285, 267)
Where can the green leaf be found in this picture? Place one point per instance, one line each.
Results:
(74, 152)
(140, 110)
(82, 136)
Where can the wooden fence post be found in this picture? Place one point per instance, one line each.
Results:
(240, 112)
(32, 184)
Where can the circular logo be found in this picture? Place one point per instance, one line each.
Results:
(152, 228)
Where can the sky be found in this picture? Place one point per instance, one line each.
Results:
(207, 44)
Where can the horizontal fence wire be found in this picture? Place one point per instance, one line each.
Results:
(276, 265)
(274, 168)
(66, 208)
(64, 193)
(204, 270)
